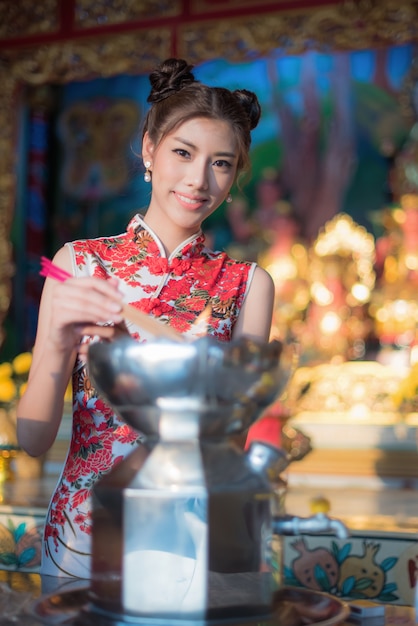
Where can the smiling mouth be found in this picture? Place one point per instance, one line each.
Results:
(190, 201)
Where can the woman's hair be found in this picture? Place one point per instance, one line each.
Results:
(177, 97)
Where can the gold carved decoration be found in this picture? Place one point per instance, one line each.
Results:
(409, 95)
(26, 18)
(351, 24)
(90, 13)
(133, 53)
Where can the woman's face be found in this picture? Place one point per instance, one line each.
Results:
(193, 169)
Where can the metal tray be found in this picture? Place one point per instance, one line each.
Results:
(292, 607)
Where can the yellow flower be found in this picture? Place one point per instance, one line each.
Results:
(7, 390)
(22, 362)
(6, 370)
(13, 378)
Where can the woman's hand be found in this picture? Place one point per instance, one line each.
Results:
(69, 311)
(79, 307)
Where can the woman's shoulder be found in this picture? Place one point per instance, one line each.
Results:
(94, 243)
(227, 258)
(88, 255)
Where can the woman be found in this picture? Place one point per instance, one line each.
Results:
(195, 142)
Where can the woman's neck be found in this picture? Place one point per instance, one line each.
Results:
(171, 238)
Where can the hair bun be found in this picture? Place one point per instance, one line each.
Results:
(169, 77)
(250, 104)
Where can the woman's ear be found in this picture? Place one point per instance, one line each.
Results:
(147, 148)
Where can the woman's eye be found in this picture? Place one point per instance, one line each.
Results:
(222, 163)
(181, 152)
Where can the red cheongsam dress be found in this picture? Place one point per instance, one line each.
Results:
(174, 289)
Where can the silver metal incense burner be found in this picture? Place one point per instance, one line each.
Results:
(183, 528)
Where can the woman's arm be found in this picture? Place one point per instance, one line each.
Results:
(68, 311)
(255, 317)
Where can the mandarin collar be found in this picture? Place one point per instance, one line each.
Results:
(190, 247)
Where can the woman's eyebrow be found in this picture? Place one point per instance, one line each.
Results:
(189, 144)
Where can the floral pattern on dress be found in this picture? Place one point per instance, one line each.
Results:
(174, 289)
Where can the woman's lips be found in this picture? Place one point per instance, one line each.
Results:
(190, 202)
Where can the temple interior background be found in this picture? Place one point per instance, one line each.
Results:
(330, 210)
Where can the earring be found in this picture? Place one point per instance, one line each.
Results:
(147, 174)
(228, 198)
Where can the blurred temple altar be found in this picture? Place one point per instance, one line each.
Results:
(351, 302)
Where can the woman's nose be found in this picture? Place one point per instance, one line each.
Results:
(199, 175)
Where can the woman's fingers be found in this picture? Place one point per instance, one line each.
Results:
(89, 300)
(82, 306)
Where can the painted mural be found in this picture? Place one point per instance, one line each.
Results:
(330, 128)
(378, 567)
